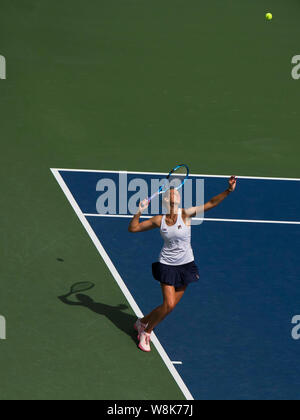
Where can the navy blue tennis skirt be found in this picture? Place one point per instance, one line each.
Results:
(175, 275)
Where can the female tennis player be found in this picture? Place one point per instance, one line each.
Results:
(176, 268)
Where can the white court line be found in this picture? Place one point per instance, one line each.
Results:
(206, 219)
(279, 222)
(161, 173)
(120, 282)
(177, 363)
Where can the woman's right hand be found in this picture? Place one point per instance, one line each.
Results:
(144, 205)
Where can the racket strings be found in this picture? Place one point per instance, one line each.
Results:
(178, 176)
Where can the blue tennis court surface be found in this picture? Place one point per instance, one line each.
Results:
(232, 330)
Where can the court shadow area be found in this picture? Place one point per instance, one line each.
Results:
(122, 320)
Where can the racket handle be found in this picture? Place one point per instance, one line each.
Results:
(151, 198)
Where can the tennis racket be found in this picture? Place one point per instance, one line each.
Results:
(175, 179)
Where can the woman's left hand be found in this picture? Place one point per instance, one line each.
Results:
(232, 183)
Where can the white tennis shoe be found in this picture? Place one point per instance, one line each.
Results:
(140, 327)
(145, 340)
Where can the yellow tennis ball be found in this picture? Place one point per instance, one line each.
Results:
(269, 16)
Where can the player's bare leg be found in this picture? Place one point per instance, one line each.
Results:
(171, 298)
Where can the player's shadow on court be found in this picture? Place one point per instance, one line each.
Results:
(115, 314)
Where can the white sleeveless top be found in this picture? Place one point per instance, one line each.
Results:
(177, 249)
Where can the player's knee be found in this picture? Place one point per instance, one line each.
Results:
(169, 305)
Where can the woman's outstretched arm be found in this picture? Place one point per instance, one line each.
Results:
(213, 202)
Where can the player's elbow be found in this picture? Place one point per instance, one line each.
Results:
(132, 229)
